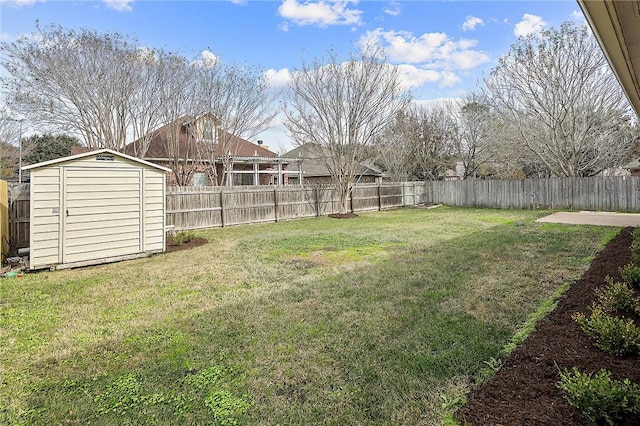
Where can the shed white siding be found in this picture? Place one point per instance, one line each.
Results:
(95, 208)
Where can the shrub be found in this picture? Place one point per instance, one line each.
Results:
(615, 335)
(617, 296)
(598, 397)
(183, 237)
(635, 247)
(631, 274)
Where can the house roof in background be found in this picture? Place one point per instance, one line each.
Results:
(158, 147)
(312, 164)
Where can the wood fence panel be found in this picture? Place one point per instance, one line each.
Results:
(191, 209)
(19, 215)
(296, 202)
(365, 198)
(391, 195)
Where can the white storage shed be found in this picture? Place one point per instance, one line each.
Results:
(96, 207)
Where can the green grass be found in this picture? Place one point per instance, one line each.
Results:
(383, 319)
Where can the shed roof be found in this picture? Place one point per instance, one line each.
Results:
(634, 165)
(89, 154)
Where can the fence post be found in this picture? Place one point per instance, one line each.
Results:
(275, 201)
(379, 196)
(351, 199)
(222, 218)
(316, 191)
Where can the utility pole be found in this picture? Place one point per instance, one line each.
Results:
(20, 154)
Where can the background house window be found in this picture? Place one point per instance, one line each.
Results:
(200, 179)
(208, 129)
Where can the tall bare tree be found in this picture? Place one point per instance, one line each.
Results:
(145, 104)
(475, 133)
(393, 149)
(341, 107)
(75, 81)
(432, 133)
(177, 109)
(556, 92)
(9, 139)
(241, 102)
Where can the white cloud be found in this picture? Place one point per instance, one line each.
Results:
(471, 23)
(436, 103)
(530, 24)
(20, 3)
(429, 58)
(322, 13)
(438, 49)
(392, 9)
(6, 37)
(240, 2)
(413, 76)
(278, 78)
(119, 5)
(577, 15)
(207, 59)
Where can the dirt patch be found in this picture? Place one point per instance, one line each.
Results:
(343, 215)
(523, 391)
(196, 242)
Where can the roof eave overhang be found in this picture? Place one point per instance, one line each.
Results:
(616, 25)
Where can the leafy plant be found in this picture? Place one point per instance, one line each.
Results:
(598, 397)
(226, 407)
(615, 335)
(617, 296)
(635, 247)
(631, 274)
(183, 237)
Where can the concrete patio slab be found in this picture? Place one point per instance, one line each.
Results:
(593, 218)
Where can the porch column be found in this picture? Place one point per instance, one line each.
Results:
(279, 173)
(256, 174)
(300, 172)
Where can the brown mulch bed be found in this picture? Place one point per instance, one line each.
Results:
(523, 391)
(172, 246)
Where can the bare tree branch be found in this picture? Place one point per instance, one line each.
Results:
(556, 92)
(341, 107)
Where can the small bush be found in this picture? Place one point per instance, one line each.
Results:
(183, 237)
(635, 247)
(631, 274)
(617, 296)
(599, 398)
(615, 335)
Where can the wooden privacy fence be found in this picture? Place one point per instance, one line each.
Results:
(210, 207)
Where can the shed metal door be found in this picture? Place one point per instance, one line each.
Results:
(102, 213)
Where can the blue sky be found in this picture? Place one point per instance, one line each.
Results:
(442, 47)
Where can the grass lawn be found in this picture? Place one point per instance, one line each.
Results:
(383, 319)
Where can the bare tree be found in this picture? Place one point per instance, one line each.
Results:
(145, 104)
(393, 149)
(432, 132)
(240, 102)
(101, 87)
(9, 143)
(475, 133)
(556, 92)
(177, 110)
(341, 107)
